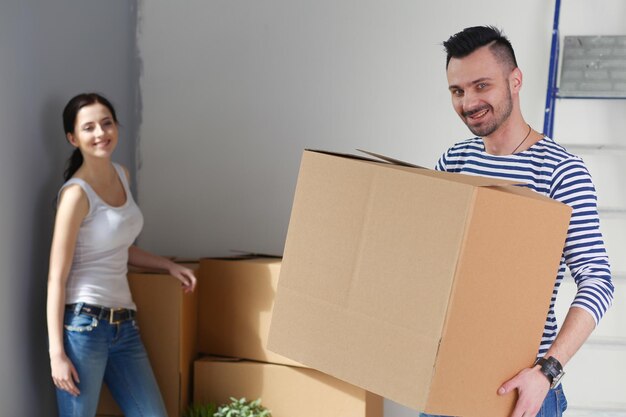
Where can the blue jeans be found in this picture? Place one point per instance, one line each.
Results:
(113, 353)
(553, 406)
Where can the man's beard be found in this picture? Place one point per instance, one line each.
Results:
(497, 120)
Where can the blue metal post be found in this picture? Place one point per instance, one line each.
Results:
(551, 95)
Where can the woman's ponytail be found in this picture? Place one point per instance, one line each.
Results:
(73, 163)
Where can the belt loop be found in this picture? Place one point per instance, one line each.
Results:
(77, 308)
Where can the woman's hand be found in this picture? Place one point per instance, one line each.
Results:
(64, 374)
(184, 275)
(143, 259)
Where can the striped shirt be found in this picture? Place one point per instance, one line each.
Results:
(549, 169)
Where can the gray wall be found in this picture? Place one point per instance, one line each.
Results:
(49, 51)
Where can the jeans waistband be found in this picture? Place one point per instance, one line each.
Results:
(112, 315)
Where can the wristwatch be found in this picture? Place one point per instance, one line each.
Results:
(552, 369)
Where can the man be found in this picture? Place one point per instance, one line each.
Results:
(485, 82)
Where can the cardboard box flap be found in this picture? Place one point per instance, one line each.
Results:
(528, 193)
(244, 260)
(344, 155)
(242, 255)
(191, 264)
(390, 160)
(251, 254)
(468, 179)
(218, 358)
(472, 180)
(475, 181)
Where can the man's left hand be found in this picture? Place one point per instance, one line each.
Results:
(532, 387)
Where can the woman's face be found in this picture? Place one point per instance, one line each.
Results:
(95, 131)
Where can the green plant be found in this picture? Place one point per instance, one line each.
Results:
(201, 410)
(243, 408)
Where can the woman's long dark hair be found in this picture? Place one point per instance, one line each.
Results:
(69, 121)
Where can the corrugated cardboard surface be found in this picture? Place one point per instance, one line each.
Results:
(287, 391)
(392, 276)
(235, 310)
(342, 281)
(499, 301)
(167, 319)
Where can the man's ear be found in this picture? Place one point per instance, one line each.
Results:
(515, 80)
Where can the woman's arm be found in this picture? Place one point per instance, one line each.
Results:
(143, 259)
(72, 209)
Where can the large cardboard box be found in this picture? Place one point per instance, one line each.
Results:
(287, 391)
(427, 288)
(235, 309)
(167, 318)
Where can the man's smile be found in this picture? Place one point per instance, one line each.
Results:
(476, 114)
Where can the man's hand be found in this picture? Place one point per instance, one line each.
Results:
(532, 387)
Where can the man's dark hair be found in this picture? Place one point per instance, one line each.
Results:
(468, 40)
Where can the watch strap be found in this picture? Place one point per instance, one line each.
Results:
(552, 369)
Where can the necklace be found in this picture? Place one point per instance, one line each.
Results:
(523, 140)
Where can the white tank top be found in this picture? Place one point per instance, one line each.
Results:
(100, 264)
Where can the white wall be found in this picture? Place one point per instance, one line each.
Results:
(234, 90)
(49, 52)
(593, 391)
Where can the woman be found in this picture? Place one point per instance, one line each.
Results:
(91, 328)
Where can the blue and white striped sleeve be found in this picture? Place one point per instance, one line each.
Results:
(441, 164)
(584, 250)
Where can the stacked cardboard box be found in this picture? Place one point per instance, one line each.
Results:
(287, 391)
(229, 315)
(428, 288)
(167, 318)
(235, 311)
(236, 304)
